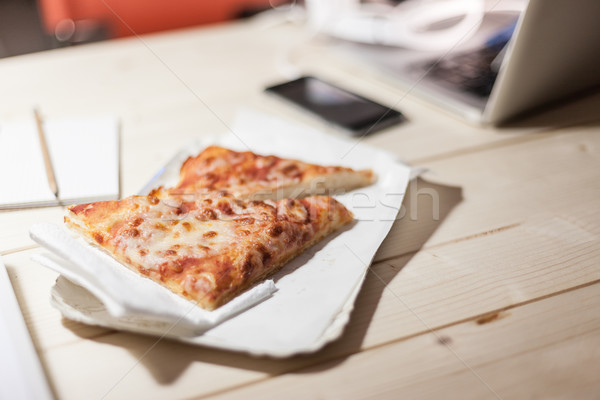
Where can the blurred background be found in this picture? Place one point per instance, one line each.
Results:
(28, 26)
(449, 52)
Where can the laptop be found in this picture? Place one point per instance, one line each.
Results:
(514, 64)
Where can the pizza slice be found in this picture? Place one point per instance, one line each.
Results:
(256, 177)
(212, 248)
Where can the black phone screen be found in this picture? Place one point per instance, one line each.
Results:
(341, 107)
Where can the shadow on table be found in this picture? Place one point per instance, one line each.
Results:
(426, 205)
(581, 109)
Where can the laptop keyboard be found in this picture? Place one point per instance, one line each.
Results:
(469, 71)
(472, 71)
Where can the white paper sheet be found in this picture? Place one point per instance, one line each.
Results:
(85, 159)
(316, 291)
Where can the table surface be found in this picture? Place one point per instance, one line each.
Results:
(488, 287)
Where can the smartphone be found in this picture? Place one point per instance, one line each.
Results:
(354, 113)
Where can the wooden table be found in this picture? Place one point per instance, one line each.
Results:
(488, 287)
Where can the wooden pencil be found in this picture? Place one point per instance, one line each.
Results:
(46, 154)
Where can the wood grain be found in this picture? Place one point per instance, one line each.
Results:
(488, 190)
(522, 353)
(505, 271)
(440, 285)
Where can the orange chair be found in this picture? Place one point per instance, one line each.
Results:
(129, 17)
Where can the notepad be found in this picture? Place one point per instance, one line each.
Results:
(84, 154)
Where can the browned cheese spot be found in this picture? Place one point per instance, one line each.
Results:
(225, 207)
(289, 168)
(292, 171)
(210, 177)
(207, 214)
(98, 238)
(275, 230)
(175, 266)
(137, 221)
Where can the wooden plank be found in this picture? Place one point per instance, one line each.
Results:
(546, 349)
(500, 188)
(525, 229)
(14, 234)
(443, 284)
(32, 283)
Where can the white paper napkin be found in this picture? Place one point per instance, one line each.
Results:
(126, 294)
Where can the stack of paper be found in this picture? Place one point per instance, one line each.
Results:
(84, 154)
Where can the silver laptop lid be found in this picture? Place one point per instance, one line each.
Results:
(554, 53)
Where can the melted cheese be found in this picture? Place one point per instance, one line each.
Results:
(209, 249)
(252, 176)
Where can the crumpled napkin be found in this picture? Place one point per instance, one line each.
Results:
(126, 293)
